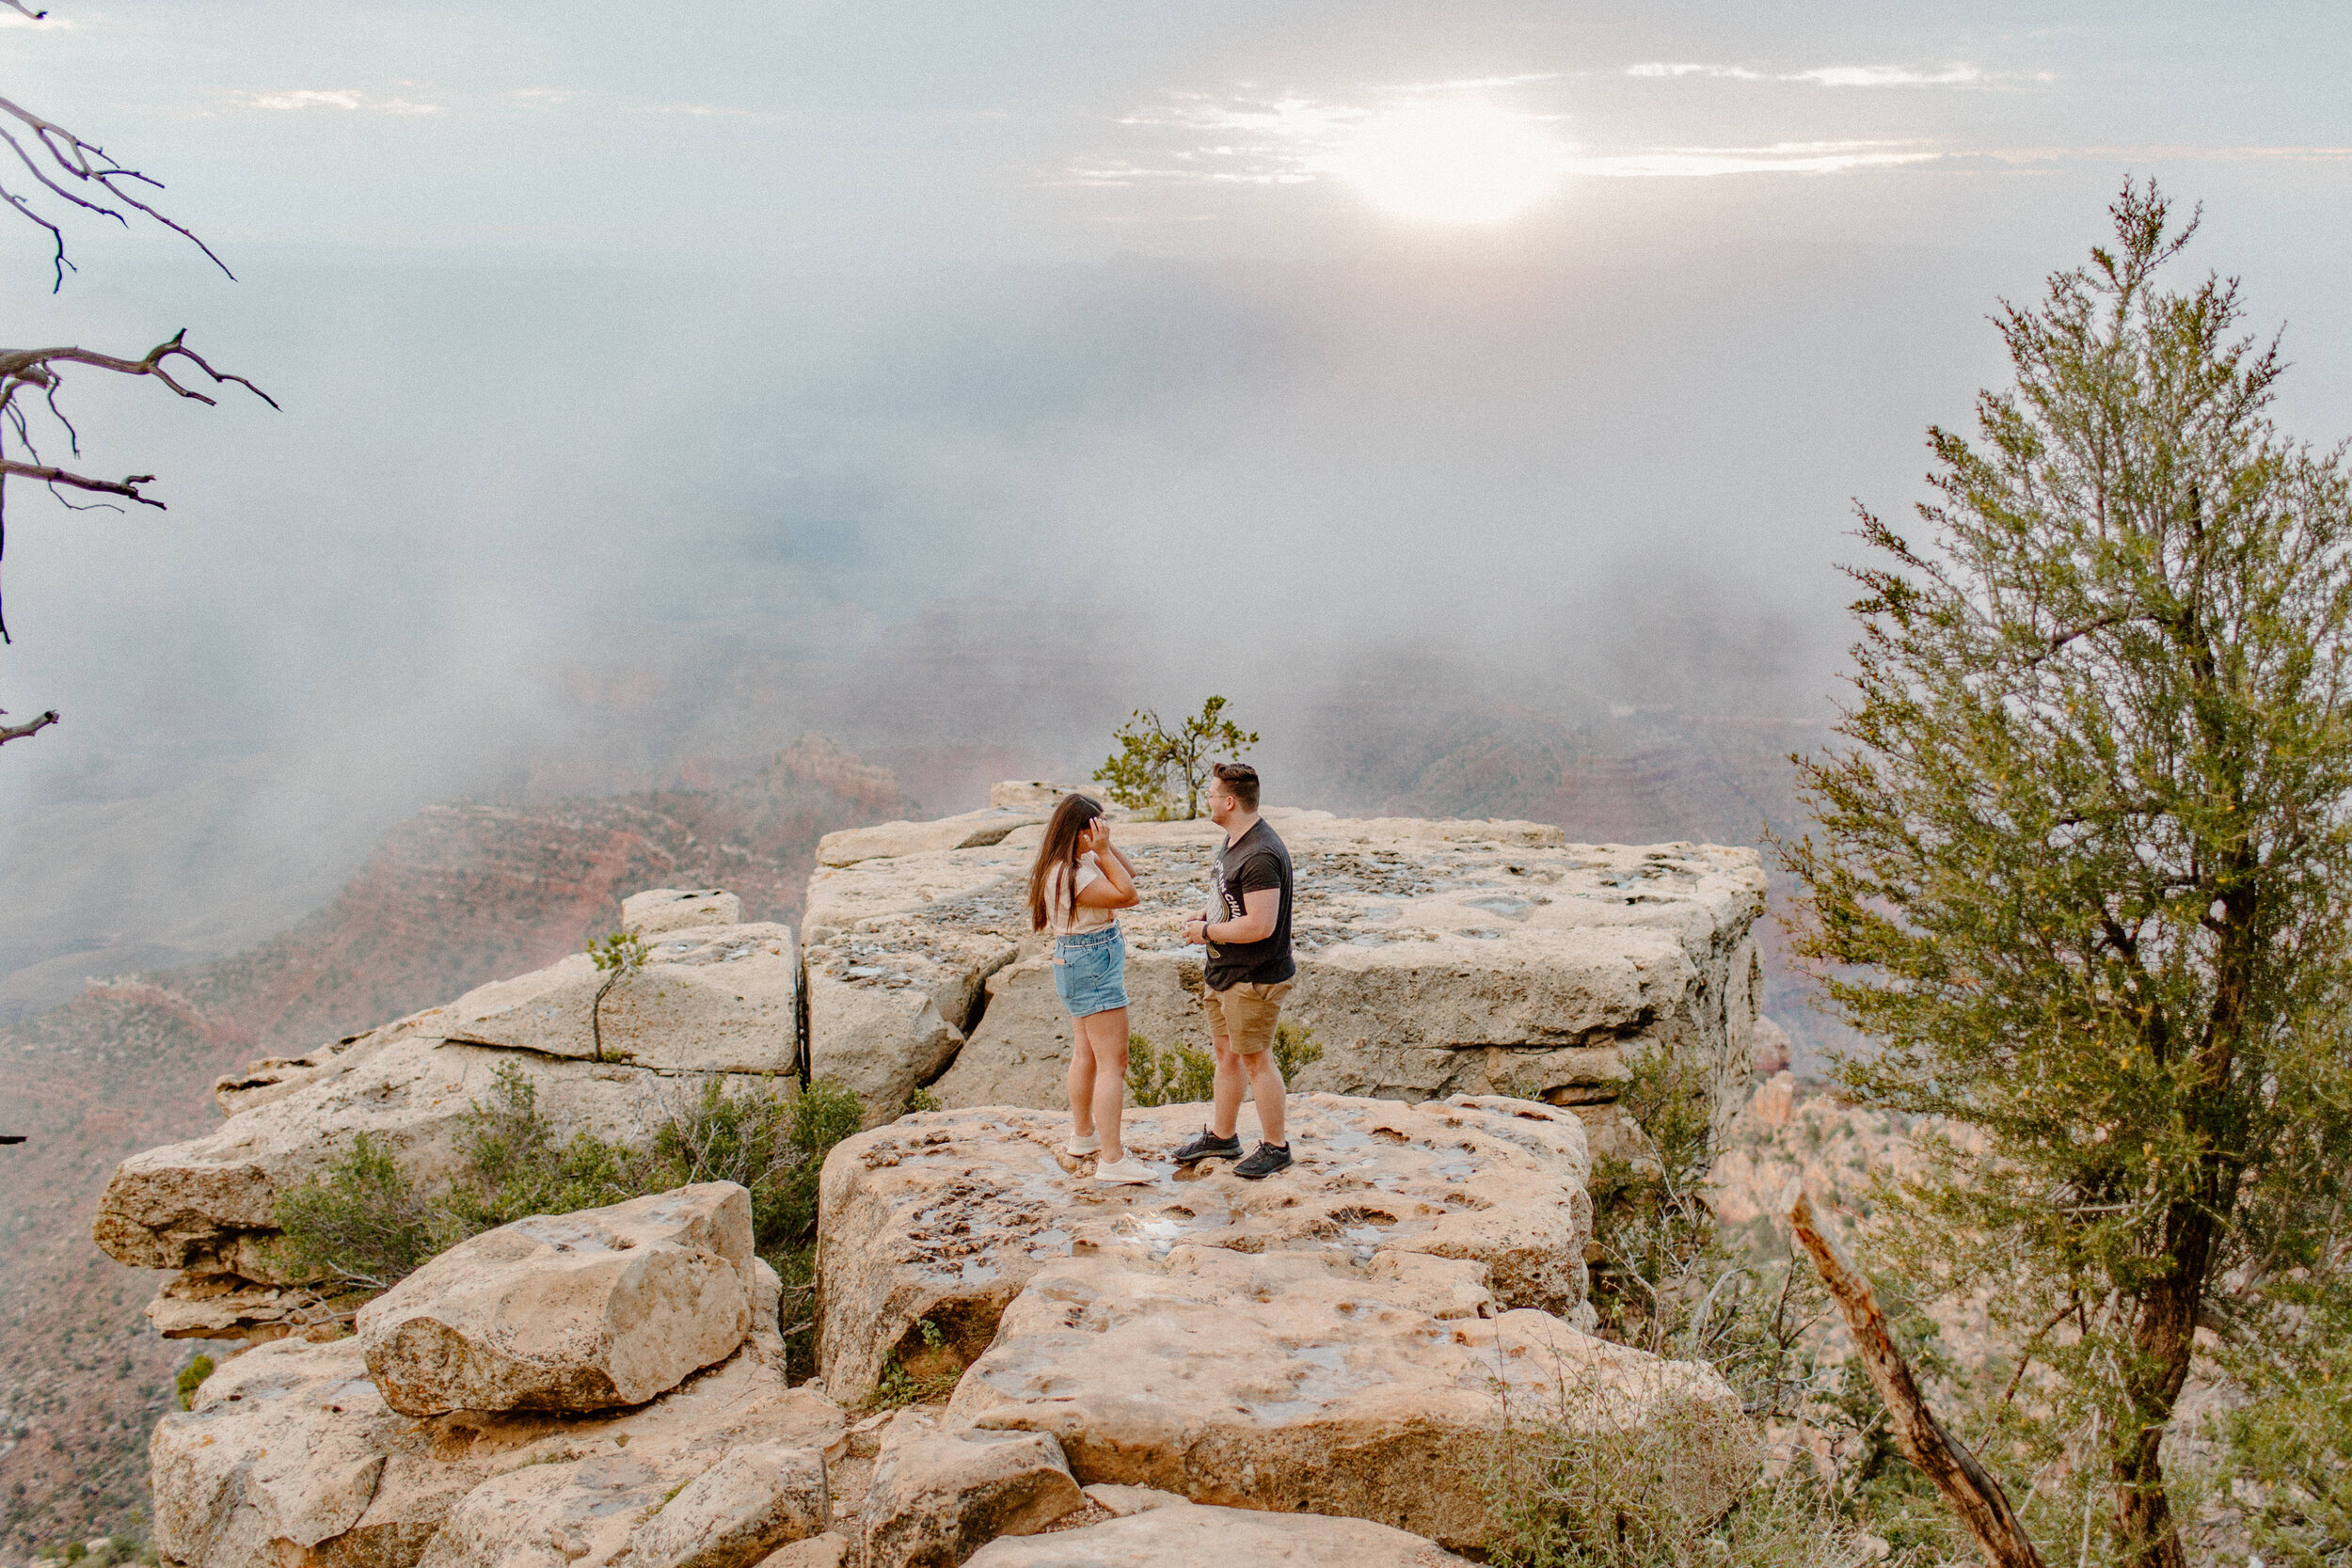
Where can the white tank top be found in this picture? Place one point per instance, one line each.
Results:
(1064, 915)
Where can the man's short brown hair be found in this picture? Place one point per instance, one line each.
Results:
(1240, 780)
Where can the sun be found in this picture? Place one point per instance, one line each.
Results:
(1453, 163)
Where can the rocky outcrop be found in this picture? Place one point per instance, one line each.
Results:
(1436, 958)
(583, 1311)
(708, 999)
(942, 1218)
(1299, 1381)
(208, 1204)
(939, 1494)
(714, 1000)
(1229, 1537)
(291, 1453)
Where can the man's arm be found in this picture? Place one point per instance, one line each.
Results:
(1261, 908)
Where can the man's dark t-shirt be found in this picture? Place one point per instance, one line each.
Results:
(1259, 860)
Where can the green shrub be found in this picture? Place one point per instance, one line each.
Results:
(1177, 1076)
(191, 1378)
(365, 1224)
(1595, 1483)
(1180, 1075)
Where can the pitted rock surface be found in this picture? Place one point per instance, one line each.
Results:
(1435, 957)
(1241, 1539)
(290, 1454)
(944, 1215)
(708, 999)
(1298, 1381)
(580, 1311)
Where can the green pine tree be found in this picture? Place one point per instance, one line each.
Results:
(1155, 765)
(2082, 870)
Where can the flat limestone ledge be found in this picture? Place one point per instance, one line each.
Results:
(1292, 1383)
(1436, 957)
(291, 1455)
(207, 1204)
(942, 1218)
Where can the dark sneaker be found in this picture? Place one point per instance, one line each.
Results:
(1264, 1162)
(1208, 1145)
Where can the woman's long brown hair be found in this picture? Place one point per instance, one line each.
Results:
(1076, 814)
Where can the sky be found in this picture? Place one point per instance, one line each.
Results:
(1551, 335)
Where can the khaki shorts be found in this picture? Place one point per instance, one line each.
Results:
(1243, 1015)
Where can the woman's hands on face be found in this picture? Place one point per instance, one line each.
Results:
(1096, 834)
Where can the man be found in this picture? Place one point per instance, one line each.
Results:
(1250, 972)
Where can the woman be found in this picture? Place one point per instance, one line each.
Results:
(1079, 880)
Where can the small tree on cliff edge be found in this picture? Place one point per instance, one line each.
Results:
(2084, 870)
(1154, 763)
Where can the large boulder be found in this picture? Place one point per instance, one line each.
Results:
(1301, 1382)
(707, 999)
(942, 1218)
(1436, 958)
(937, 1495)
(290, 1454)
(1229, 1537)
(580, 1312)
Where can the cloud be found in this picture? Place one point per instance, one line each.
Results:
(699, 111)
(347, 99)
(1825, 76)
(1684, 162)
(1296, 139)
(545, 95)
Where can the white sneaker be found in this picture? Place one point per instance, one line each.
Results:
(1091, 1144)
(1127, 1172)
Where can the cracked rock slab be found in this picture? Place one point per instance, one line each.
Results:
(580, 1311)
(1229, 1537)
(942, 1216)
(1296, 1382)
(888, 1006)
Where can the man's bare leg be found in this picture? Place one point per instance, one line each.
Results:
(1231, 1076)
(1267, 1088)
(1263, 1078)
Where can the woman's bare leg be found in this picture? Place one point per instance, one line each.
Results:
(1081, 1080)
(1105, 1035)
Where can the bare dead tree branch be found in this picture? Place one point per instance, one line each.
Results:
(38, 370)
(93, 179)
(1974, 1494)
(18, 732)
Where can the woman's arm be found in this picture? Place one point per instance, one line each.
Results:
(1115, 889)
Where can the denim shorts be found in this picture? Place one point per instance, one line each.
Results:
(1090, 971)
